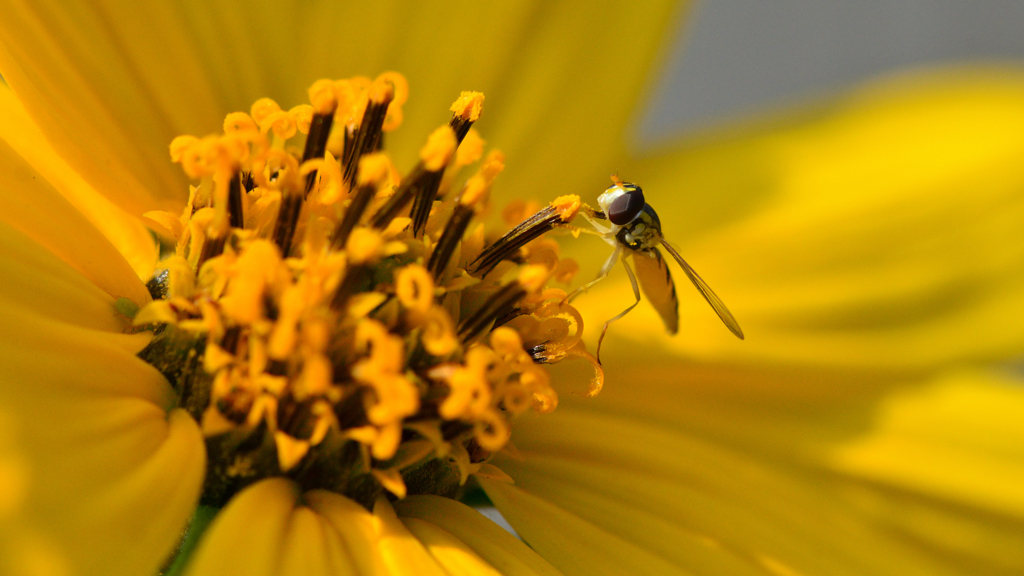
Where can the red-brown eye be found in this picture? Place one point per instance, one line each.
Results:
(626, 207)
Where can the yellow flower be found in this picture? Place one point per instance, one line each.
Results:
(870, 248)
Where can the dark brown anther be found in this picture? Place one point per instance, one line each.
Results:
(495, 307)
(248, 183)
(460, 126)
(287, 220)
(400, 199)
(355, 277)
(423, 201)
(367, 137)
(353, 213)
(462, 216)
(235, 201)
(509, 244)
(230, 340)
(316, 143)
(295, 417)
(212, 247)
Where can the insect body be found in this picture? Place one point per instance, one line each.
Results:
(632, 227)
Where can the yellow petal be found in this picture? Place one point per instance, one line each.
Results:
(450, 552)
(34, 280)
(355, 527)
(568, 541)
(108, 96)
(965, 426)
(721, 473)
(555, 81)
(402, 552)
(113, 481)
(311, 548)
(562, 79)
(123, 230)
(879, 230)
(486, 539)
(33, 207)
(248, 535)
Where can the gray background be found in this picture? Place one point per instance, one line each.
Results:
(734, 58)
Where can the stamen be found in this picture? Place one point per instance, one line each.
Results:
(291, 201)
(373, 171)
(529, 280)
(368, 135)
(364, 249)
(424, 180)
(349, 365)
(561, 210)
(235, 201)
(324, 105)
(465, 111)
(472, 194)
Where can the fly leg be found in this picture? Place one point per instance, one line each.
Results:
(605, 270)
(636, 294)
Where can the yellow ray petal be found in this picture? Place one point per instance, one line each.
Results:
(35, 208)
(450, 552)
(311, 548)
(60, 357)
(248, 535)
(758, 476)
(881, 229)
(354, 526)
(560, 76)
(34, 280)
(110, 97)
(492, 543)
(112, 481)
(403, 553)
(965, 425)
(123, 230)
(562, 80)
(569, 542)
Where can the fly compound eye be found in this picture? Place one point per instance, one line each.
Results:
(626, 207)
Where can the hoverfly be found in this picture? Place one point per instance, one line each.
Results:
(632, 227)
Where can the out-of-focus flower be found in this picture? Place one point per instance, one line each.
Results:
(871, 248)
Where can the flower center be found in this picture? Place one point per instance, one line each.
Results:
(327, 319)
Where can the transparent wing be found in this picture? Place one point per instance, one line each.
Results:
(656, 282)
(706, 292)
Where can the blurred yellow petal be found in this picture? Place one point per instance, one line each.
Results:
(35, 208)
(265, 530)
(311, 548)
(489, 541)
(34, 280)
(569, 542)
(90, 425)
(803, 472)
(355, 526)
(880, 230)
(248, 535)
(449, 551)
(966, 426)
(87, 428)
(123, 230)
(110, 97)
(402, 552)
(555, 82)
